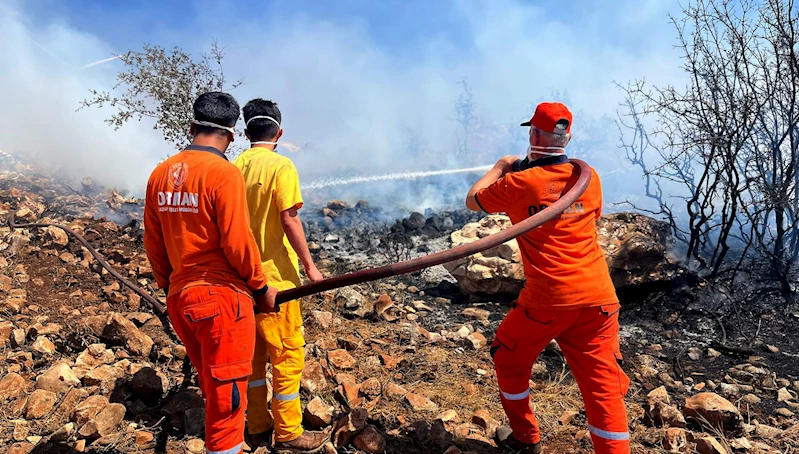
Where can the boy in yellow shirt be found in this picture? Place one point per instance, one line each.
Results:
(273, 198)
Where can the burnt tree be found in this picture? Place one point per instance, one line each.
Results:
(725, 147)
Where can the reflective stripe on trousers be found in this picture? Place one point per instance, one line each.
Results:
(257, 383)
(609, 435)
(234, 450)
(519, 396)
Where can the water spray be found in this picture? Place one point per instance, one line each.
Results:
(391, 176)
(394, 269)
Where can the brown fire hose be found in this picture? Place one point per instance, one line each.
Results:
(380, 272)
(465, 250)
(100, 259)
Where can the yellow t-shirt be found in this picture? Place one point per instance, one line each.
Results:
(272, 187)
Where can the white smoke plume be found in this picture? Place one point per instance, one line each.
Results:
(351, 104)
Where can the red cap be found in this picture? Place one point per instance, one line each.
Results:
(551, 117)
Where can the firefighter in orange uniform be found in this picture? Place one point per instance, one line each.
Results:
(568, 295)
(198, 239)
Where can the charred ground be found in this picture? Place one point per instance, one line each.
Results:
(405, 355)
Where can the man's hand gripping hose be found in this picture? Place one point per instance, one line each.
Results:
(381, 272)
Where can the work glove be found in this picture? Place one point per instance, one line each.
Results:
(265, 300)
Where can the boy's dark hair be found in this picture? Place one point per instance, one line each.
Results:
(262, 128)
(215, 107)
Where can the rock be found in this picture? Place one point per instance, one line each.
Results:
(674, 439)
(43, 345)
(483, 418)
(371, 388)
(476, 340)
(741, 444)
(449, 416)
(567, 417)
(464, 332)
(176, 407)
(63, 434)
(65, 409)
(348, 426)
(341, 359)
(11, 387)
(21, 430)
(370, 440)
(313, 378)
(751, 399)
(394, 391)
(414, 222)
(144, 439)
(664, 415)
(382, 304)
(494, 271)
(105, 422)
(716, 410)
(88, 409)
(195, 446)
(323, 318)
(709, 445)
(420, 403)
(104, 376)
(58, 379)
(121, 331)
(439, 434)
(768, 432)
(349, 343)
(784, 395)
(475, 313)
(18, 337)
(348, 392)
(194, 422)
(56, 235)
(318, 414)
(20, 448)
(503, 433)
(337, 205)
(729, 389)
(40, 402)
(349, 298)
(147, 385)
(635, 248)
(95, 324)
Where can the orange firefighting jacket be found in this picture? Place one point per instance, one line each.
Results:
(563, 263)
(196, 223)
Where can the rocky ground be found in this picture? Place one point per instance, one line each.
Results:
(399, 365)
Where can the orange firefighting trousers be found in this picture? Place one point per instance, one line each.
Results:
(217, 325)
(588, 338)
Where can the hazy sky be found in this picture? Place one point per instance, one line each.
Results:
(355, 79)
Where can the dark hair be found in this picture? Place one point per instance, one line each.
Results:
(262, 128)
(215, 107)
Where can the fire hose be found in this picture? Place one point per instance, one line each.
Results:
(372, 274)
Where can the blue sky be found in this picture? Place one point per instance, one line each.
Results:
(352, 77)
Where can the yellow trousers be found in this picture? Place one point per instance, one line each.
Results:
(279, 340)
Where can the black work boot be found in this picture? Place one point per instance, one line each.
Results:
(514, 446)
(308, 442)
(260, 440)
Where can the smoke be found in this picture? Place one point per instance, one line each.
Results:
(364, 87)
(42, 83)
